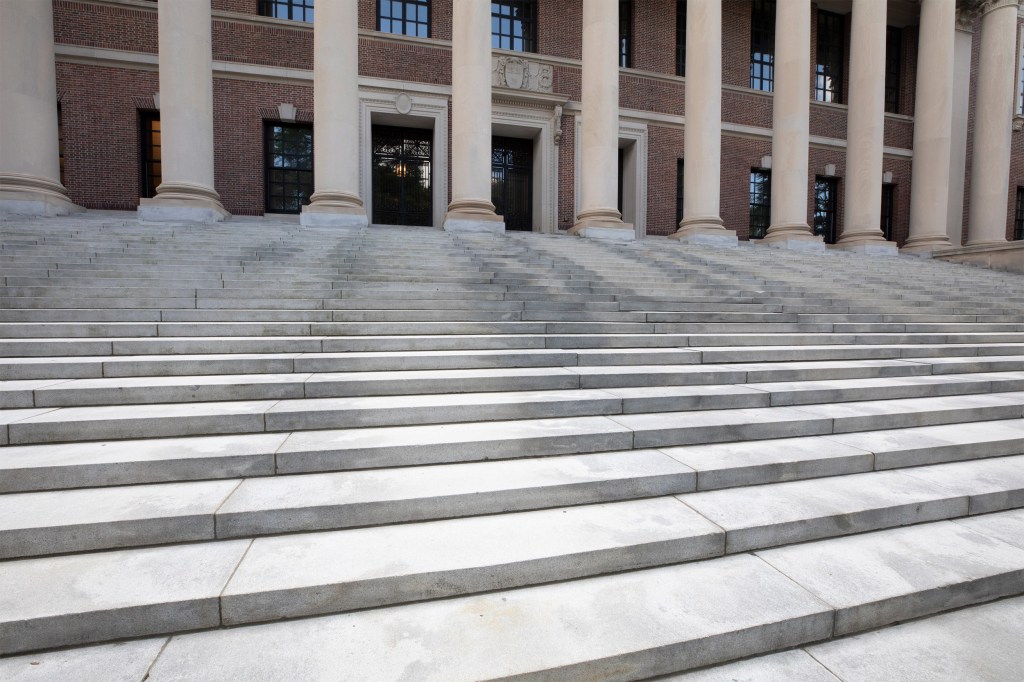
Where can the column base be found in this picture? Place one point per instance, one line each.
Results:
(334, 209)
(925, 246)
(871, 245)
(28, 195)
(603, 224)
(796, 237)
(473, 215)
(705, 232)
(183, 202)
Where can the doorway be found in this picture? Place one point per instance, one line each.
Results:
(402, 176)
(512, 181)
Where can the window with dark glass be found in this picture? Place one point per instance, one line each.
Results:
(825, 208)
(762, 45)
(1018, 223)
(1020, 94)
(679, 191)
(514, 25)
(60, 143)
(404, 17)
(893, 50)
(151, 169)
(828, 71)
(626, 33)
(760, 202)
(288, 167)
(296, 10)
(680, 37)
(888, 210)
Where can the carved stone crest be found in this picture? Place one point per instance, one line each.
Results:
(520, 74)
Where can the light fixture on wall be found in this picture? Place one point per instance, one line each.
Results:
(830, 170)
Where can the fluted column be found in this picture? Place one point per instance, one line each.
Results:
(471, 209)
(791, 128)
(865, 131)
(933, 128)
(335, 201)
(186, 116)
(702, 222)
(29, 156)
(993, 124)
(599, 137)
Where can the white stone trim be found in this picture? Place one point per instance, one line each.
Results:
(1018, 109)
(633, 136)
(383, 103)
(512, 119)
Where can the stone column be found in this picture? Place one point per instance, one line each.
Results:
(29, 155)
(599, 135)
(865, 129)
(335, 201)
(791, 128)
(962, 44)
(993, 124)
(471, 209)
(702, 222)
(186, 116)
(933, 128)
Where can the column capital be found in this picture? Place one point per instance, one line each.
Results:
(986, 6)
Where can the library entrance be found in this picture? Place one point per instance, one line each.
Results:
(402, 176)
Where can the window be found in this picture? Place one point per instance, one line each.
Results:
(288, 155)
(679, 191)
(893, 49)
(404, 17)
(828, 72)
(514, 25)
(626, 33)
(1020, 83)
(888, 211)
(151, 170)
(760, 202)
(296, 10)
(762, 45)
(1018, 223)
(60, 144)
(825, 208)
(680, 37)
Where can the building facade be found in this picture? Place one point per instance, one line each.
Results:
(868, 124)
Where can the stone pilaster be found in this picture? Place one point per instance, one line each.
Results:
(471, 209)
(599, 136)
(865, 132)
(933, 128)
(335, 201)
(702, 222)
(186, 117)
(993, 124)
(791, 129)
(29, 155)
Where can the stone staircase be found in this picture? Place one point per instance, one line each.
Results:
(253, 451)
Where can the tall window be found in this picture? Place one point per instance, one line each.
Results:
(893, 48)
(288, 173)
(514, 25)
(888, 210)
(679, 191)
(296, 10)
(60, 144)
(404, 17)
(1018, 223)
(825, 208)
(760, 202)
(762, 45)
(828, 72)
(680, 37)
(150, 167)
(1020, 84)
(626, 33)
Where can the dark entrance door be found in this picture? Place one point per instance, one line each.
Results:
(512, 181)
(402, 176)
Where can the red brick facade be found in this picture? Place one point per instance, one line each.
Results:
(100, 100)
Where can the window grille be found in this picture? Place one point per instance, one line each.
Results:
(626, 33)
(680, 37)
(762, 45)
(828, 73)
(825, 208)
(514, 25)
(150, 166)
(296, 10)
(893, 50)
(404, 17)
(760, 202)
